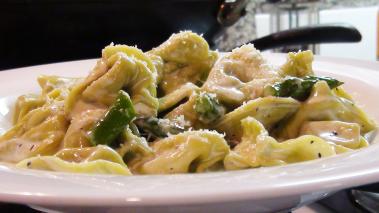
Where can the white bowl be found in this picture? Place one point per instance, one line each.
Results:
(253, 190)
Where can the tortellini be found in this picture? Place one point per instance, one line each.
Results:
(173, 98)
(40, 121)
(179, 108)
(25, 104)
(39, 132)
(187, 58)
(269, 111)
(135, 146)
(324, 105)
(257, 148)
(54, 88)
(240, 76)
(121, 67)
(298, 64)
(341, 133)
(191, 151)
(187, 110)
(200, 110)
(100, 160)
(78, 132)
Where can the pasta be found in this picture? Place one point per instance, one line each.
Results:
(257, 148)
(99, 159)
(240, 76)
(183, 108)
(194, 151)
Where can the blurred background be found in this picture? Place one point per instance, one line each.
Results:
(44, 31)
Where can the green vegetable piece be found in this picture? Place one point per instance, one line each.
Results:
(333, 83)
(151, 125)
(208, 108)
(298, 88)
(115, 120)
(159, 128)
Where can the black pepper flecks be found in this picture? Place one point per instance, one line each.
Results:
(335, 133)
(319, 155)
(312, 142)
(28, 164)
(31, 147)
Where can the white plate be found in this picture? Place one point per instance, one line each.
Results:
(253, 190)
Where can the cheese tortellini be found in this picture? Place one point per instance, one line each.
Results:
(121, 67)
(240, 76)
(186, 59)
(269, 111)
(257, 148)
(184, 108)
(298, 64)
(100, 159)
(324, 105)
(192, 151)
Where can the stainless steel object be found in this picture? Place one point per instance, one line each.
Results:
(292, 14)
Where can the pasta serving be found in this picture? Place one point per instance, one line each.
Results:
(183, 108)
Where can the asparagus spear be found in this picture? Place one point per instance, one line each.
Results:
(159, 128)
(208, 108)
(119, 115)
(298, 88)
